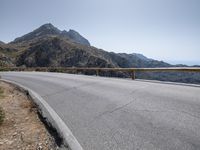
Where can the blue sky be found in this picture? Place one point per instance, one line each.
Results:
(166, 30)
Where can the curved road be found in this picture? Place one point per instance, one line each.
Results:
(118, 114)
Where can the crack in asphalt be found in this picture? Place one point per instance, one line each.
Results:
(145, 110)
(120, 107)
(112, 111)
(172, 110)
(185, 112)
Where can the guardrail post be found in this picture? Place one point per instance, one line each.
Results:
(133, 75)
(97, 72)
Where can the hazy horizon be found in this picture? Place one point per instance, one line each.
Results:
(159, 29)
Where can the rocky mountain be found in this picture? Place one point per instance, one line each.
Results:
(49, 30)
(48, 46)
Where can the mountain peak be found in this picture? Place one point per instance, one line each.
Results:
(74, 35)
(48, 26)
(48, 29)
(73, 31)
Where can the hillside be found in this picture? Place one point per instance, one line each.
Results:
(56, 51)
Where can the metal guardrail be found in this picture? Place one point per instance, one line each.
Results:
(98, 70)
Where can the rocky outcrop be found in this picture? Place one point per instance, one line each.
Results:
(5, 61)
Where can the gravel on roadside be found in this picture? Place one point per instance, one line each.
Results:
(22, 128)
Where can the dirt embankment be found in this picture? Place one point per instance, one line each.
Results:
(21, 128)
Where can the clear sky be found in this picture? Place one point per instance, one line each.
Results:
(166, 30)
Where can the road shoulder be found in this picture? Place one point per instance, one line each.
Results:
(21, 127)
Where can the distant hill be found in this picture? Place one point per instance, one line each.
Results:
(139, 60)
(2, 43)
(48, 46)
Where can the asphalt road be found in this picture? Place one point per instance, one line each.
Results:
(118, 114)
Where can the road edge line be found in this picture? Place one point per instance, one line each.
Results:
(47, 112)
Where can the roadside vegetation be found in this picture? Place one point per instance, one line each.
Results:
(2, 115)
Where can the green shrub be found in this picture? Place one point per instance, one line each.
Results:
(1, 92)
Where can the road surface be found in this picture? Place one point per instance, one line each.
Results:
(119, 114)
